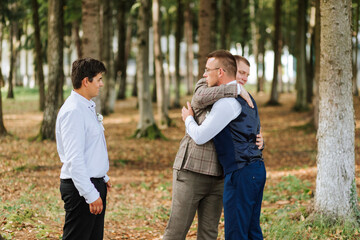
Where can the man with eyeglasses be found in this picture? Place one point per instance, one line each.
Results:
(233, 127)
(198, 181)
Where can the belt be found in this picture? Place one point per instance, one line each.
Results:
(69, 180)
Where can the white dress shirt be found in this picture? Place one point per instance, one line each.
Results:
(222, 113)
(81, 145)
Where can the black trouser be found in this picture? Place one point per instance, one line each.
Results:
(79, 222)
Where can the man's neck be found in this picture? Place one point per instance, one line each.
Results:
(81, 92)
(226, 80)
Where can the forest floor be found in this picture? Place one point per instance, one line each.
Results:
(141, 174)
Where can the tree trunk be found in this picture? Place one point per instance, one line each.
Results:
(12, 36)
(336, 195)
(55, 61)
(274, 97)
(254, 34)
(188, 30)
(76, 38)
(3, 131)
(107, 58)
(122, 37)
(91, 35)
(38, 55)
(178, 37)
(356, 49)
(167, 56)
(317, 64)
(146, 126)
(301, 98)
(2, 82)
(164, 120)
(206, 35)
(225, 18)
(135, 88)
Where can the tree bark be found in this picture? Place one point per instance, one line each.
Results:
(336, 195)
(274, 97)
(168, 24)
(178, 38)
(121, 58)
(254, 34)
(188, 30)
(107, 58)
(91, 35)
(55, 61)
(12, 40)
(356, 49)
(76, 38)
(317, 64)
(206, 33)
(225, 18)
(146, 126)
(164, 120)
(301, 97)
(38, 55)
(2, 82)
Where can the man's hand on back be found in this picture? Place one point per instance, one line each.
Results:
(245, 95)
(185, 112)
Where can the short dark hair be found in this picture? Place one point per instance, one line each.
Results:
(85, 67)
(241, 59)
(226, 59)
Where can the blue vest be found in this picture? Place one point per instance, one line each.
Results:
(236, 143)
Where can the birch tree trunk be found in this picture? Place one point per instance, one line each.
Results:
(336, 195)
(55, 61)
(91, 35)
(274, 97)
(146, 126)
(164, 120)
(188, 30)
(301, 97)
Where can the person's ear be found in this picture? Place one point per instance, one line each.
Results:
(85, 81)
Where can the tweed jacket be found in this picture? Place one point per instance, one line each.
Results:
(202, 158)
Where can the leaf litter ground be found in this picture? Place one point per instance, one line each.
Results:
(141, 171)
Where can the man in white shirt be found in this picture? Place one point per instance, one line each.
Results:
(82, 150)
(233, 126)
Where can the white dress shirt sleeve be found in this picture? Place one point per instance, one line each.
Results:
(222, 113)
(73, 139)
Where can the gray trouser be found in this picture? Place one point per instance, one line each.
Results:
(195, 192)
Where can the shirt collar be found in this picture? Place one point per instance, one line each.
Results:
(232, 82)
(88, 103)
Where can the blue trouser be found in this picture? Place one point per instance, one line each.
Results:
(243, 192)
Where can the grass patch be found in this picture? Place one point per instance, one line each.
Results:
(290, 188)
(292, 223)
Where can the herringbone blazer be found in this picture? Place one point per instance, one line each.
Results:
(202, 158)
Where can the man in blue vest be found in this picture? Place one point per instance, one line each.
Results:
(233, 126)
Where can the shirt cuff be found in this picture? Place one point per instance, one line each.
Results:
(188, 120)
(92, 196)
(106, 178)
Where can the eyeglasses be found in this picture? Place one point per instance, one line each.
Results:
(209, 70)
